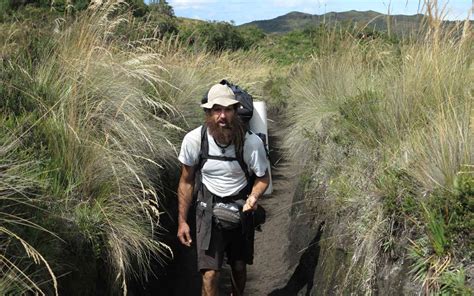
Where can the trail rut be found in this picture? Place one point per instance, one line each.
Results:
(271, 267)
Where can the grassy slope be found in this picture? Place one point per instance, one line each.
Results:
(93, 120)
(385, 132)
(298, 21)
(401, 25)
(91, 123)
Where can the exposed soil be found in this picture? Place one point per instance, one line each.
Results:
(285, 260)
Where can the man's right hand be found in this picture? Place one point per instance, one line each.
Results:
(184, 235)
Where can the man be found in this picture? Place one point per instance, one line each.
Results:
(221, 177)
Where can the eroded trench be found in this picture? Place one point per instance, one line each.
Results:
(293, 255)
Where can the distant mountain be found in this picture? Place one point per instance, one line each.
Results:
(298, 20)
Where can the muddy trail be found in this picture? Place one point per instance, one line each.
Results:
(285, 261)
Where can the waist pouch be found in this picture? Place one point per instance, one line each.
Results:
(227, 214)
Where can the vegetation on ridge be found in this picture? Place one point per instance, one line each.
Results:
(95, 103)
(91, 122)
(386, 132)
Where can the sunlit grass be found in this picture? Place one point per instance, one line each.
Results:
(100, 118)
(17, 184)
(372, 108)
(98, 130)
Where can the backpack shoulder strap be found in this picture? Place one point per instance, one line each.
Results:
(240, 160)
(204, 152)
(201, 160)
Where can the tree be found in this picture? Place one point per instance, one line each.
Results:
(162, 18)
(251, 35)
(162, 7)
(218, 36)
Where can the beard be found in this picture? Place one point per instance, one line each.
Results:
(231, 133)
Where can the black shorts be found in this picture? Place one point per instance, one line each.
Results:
(230, 243)
(214, 243)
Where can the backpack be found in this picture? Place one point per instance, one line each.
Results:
(245, 111)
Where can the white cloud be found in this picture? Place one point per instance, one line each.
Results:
(194, 4)
(198, 17)
(282, 3)
(307, 9)
(190, 3)
(459, 14)
(298, 3)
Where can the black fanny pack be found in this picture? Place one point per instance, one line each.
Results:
(227, 215)
(259, 217)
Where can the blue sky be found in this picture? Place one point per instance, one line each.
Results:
(244, 11)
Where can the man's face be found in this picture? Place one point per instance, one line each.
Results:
(222, 116)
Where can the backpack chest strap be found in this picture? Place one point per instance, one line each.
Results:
(222, 158)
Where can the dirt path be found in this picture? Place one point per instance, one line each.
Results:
(271, 269)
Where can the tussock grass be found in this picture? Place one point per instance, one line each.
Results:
(372, 108)
(192, 71)
(17, 182)
(99, 131)
(98, 117)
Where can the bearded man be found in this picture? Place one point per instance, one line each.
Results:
(222, 169)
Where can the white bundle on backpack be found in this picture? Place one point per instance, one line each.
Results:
(258, 125)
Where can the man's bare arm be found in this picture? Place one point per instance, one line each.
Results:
(259, 187)
(185, 197)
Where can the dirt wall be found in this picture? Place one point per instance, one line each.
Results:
(320, 255)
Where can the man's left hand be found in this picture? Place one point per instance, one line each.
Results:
(250, 203)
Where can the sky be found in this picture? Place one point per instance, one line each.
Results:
(244, 11)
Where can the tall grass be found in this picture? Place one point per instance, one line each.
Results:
(17, 182)
(373, 108)
(97, 117)
(100, 133)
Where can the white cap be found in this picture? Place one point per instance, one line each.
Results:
(220, 95)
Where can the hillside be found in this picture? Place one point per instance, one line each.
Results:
(370, 140)
(298, 20)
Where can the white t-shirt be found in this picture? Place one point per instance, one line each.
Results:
(224, 178)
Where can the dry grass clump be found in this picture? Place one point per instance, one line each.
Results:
(17, 182)
(192, 71)
(90, 116)
(398, 121)
(99, 118)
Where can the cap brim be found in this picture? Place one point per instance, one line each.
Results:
(223, 101)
